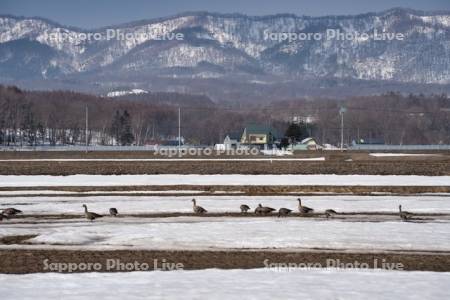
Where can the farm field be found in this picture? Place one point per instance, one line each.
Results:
(156, 223)
(309, 162)
(366, 226)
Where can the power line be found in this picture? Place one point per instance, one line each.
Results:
(313, 110)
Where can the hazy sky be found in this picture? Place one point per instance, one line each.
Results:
(95, 13)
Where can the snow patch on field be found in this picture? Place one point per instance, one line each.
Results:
(57, 192)
(126, 92)
(199, 233)
(232, 179)
(402, 154)
(237, 284)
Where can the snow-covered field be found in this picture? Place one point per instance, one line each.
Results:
(157, 204)
(228, 232)
(233, 179)
(229, 284)
(234, 233)
(100, 193)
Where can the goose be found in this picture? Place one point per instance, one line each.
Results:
(11, 211)
(90, 215)
(198, 209)
(284, 212)
(244, 208)
(404, 215)
(330, 213)
(113, 211)
(303, 209)
(263, 210)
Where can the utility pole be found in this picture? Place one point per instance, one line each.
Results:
(87, 128)
(153, 131)
(179, 129)
(341, 112)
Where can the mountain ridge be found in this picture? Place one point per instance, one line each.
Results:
(223, 46)
(234, 14)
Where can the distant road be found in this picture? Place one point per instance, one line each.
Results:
(161, 159)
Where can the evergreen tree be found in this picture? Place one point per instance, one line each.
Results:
(126, 134)
(284, 142)
(296, 132)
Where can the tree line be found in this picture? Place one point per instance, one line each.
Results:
(58, 118)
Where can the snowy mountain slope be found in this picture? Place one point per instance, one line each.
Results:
(231, 44)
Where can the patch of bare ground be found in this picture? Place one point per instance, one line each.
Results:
(15, 239)
(335, 163)
(20, 261)
(437, 168)
(341, 216)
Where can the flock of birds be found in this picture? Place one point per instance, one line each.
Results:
(282, 212)
(259, 210)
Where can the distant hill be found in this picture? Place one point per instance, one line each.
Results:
(234, 57)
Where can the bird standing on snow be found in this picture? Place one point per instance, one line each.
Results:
(330, 213)
(113, 211)
(284, 212)
(303, 209)
(11, 211)
(263, 210)
(90, 215)
(198, 209)
(244, 208)
(404, 215)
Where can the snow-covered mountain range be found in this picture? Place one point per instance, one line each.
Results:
(215, 46)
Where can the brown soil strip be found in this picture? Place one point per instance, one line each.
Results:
(20, 261)
(372, 167)
(15, 239)
(248, 190)
(368, 216)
